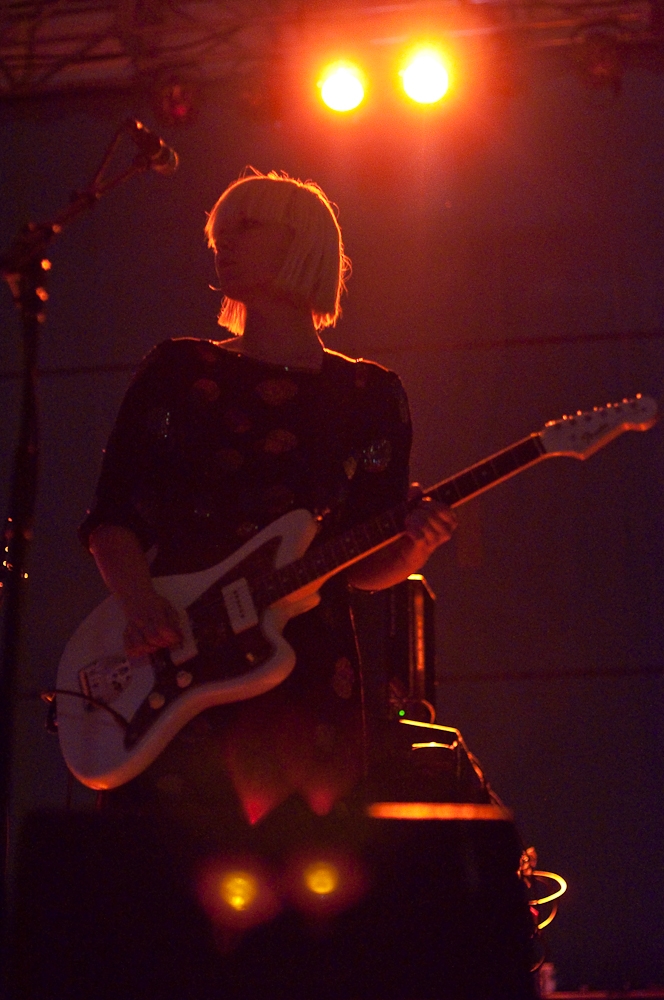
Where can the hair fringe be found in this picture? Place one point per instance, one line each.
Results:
(233, 315)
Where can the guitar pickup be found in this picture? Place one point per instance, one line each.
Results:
(240, 605)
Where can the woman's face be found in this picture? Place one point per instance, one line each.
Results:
(248, 257)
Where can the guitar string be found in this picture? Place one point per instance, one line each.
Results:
(271, 588)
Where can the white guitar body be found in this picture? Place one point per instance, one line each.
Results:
(91, 738)
(116, 715)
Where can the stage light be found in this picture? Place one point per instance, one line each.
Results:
(175, 100)
(239, 890)
(342, 86)
(323, 884)
(236, 892)
(321, 878)
(425, 77)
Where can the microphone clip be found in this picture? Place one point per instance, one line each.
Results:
(153, 153)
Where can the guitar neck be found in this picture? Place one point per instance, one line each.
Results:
(496, 469)
(324, 560)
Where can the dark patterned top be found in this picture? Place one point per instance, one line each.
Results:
(209, 447)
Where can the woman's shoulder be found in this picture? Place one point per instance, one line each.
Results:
(375, 388)
(363, 368)
(183, 353)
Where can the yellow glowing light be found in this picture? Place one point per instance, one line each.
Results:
(321, 878)
(341, 86)
(438, 810)
(425, 79)
(562, 887)
(239, 890)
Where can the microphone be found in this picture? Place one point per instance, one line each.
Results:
(156, 154)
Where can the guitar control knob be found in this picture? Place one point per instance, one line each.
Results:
(156, 700)
(183, 678)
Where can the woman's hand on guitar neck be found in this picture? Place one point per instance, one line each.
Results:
(427, 525)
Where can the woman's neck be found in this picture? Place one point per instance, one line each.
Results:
(284, 335)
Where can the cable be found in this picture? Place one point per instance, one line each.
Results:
(48, 697)
(550, 898)
(545, 923)
(554, 895)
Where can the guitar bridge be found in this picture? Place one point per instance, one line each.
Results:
(105, 680)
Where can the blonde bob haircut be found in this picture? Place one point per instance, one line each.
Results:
(315, 266)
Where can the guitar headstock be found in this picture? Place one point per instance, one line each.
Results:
(581, 434)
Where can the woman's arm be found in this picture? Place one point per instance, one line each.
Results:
(428, 525)
(152, 621)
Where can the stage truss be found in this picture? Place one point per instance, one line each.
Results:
(61, 45)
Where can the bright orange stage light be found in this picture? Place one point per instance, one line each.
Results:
(321, 878)
(322, 885)
(238, 890)
(342, 86)
(425, 77)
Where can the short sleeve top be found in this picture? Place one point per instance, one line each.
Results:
(210, 446)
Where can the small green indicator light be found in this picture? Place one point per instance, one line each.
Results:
(402, 712)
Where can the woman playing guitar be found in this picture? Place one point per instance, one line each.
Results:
(214, 441)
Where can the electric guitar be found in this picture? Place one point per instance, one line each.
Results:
(116, 714)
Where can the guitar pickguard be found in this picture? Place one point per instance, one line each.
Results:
(221, 653)
(233, 649)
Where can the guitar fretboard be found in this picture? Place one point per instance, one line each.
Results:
(328, 558)
(485, 474)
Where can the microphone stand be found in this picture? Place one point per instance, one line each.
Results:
(25, 269)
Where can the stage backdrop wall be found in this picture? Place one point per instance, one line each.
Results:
(534, 218)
